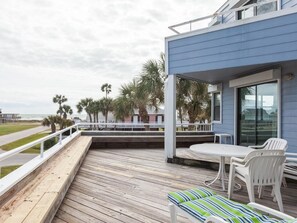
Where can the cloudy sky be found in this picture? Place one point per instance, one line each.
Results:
(72, 47)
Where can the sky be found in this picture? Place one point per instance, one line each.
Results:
(72, 47)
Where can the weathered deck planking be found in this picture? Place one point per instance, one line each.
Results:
(39, 200)
(131, 185)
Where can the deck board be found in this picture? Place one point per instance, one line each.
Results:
(131, 185)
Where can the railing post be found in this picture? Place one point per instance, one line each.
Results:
(70, 134)
(60, 139)
(41, 149)
(77, 128)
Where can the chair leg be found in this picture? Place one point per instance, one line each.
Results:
(260, 191)
(173, 214)
(284, 182)
(250, 189)
(231, 183)
(278, 196)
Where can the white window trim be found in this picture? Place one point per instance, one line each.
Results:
(212, 108)
(277, 78)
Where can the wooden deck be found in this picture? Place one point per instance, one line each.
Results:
(38, 198)
(131, 185)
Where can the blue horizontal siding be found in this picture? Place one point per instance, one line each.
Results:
(289, 108)
(260, 42)
(227, 122)
(288, 111)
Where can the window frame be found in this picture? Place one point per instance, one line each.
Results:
(213, 107)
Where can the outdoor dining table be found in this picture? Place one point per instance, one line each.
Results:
(222, 151)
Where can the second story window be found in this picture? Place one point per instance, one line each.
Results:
(257, 10)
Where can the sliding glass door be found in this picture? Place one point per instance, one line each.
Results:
(257, 113)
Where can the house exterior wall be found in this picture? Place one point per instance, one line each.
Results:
(260, 42)
(227, 122)
(288, 108)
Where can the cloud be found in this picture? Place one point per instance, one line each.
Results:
(71, 47)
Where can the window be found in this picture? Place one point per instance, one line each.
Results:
(258, 10)
(216, 107)
(257, 113)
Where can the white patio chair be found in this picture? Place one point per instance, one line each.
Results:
(273, 143)
(261, 169)
(290, 168)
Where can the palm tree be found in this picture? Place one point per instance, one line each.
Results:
(124, 104)
(106, 106)
(151, 81)
(66, 109)
(192, 99)
(59, 99)
(131, 97)
(106, 103)
(196, 101)
(85, 104)
(51, 121)
(182, 86)
(106, 88)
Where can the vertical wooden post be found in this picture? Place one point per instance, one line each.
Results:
(170, 117)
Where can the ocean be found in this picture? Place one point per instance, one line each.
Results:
(39, 117)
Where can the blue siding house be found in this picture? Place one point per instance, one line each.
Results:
(248, 54)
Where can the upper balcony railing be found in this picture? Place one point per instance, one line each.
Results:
(240, 13)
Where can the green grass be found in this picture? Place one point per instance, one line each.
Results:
(15, 144)
(15, 127)
(6, 170)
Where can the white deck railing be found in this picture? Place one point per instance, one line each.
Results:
(219, 15)
(12, 179)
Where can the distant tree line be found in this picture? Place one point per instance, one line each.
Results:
(146, 91)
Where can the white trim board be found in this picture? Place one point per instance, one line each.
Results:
(261, 77)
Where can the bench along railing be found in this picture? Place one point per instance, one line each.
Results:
(7, 182)
(219, 16)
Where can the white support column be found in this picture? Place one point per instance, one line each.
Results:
(170, 116)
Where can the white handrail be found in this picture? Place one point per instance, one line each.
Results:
(218, 14)
(20, 149)
(201, 127)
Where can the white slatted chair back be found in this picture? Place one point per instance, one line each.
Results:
(261, 152)
(266, 169)
(260, 168)
(275, 143)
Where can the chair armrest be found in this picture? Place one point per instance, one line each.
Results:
(257, 147)
(270, 211)
(237, 160)
(215, 219)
